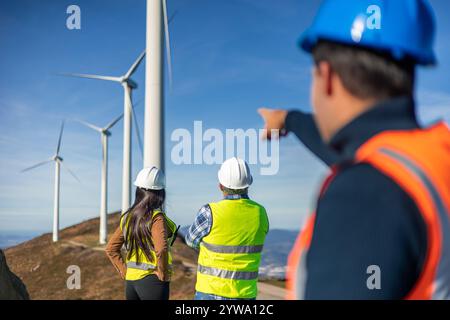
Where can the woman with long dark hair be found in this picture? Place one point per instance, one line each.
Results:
(148, 235)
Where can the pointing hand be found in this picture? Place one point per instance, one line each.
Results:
(274, 119)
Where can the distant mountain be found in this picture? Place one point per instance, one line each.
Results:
(275, 253)
(9, 239)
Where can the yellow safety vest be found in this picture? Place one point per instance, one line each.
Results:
(136, 271)
(230, 254)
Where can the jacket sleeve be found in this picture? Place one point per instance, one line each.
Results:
(200, 228)
(113, 251)
(160, 236)
(365, 221)
(303, 126)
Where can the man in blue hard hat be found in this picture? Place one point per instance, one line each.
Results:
(381, 227)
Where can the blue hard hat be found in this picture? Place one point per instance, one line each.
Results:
(403, 28)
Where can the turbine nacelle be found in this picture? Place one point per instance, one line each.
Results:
(102, 130)
(131, 83)
(124, 79)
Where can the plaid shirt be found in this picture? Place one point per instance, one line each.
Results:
(203, 223)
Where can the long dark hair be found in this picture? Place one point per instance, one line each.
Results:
(138, 221)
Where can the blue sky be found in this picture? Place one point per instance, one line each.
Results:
(230, 57)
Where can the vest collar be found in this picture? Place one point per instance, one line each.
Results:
(235, 196)
(393, 114)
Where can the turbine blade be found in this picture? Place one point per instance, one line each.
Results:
(167, 35)
(138, 103)
(135, 65)
(58, 147)
(70, 171)
(89, 125)
(137, 130)
(37, 165)
(92, 76)
(112, 123)
(173, 16)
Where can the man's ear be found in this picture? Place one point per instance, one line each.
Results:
(220, 187)
(326, 73)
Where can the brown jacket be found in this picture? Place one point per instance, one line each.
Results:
(159, 234)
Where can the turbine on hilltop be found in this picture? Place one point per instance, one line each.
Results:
(105, 134)
(58, 162)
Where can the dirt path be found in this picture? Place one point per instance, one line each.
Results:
(270, 292)
(70, 243)
(265, 291)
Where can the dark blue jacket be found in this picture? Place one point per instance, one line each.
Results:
(364, 218)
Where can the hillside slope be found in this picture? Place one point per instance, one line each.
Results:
(42, 265)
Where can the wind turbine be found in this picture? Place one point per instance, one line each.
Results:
(154, 82)
(128, 85)
(105, 134)
(58, 162)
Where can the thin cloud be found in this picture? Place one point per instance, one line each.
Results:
(433, 106)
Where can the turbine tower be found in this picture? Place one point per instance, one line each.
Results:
(128, 85)
(154, 82)
(105, 134)
(58, 162)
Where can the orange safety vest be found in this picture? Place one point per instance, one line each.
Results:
(419, 162)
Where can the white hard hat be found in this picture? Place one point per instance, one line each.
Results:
(235, 174)
(150, 178)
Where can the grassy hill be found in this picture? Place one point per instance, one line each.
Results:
(42, 265)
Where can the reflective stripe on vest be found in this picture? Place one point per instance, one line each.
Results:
(141, 265)
(227, 274)
(442, 277)
(232, 249)
(230, 254)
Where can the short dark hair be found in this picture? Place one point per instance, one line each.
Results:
(365, 73)
(234, 191)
